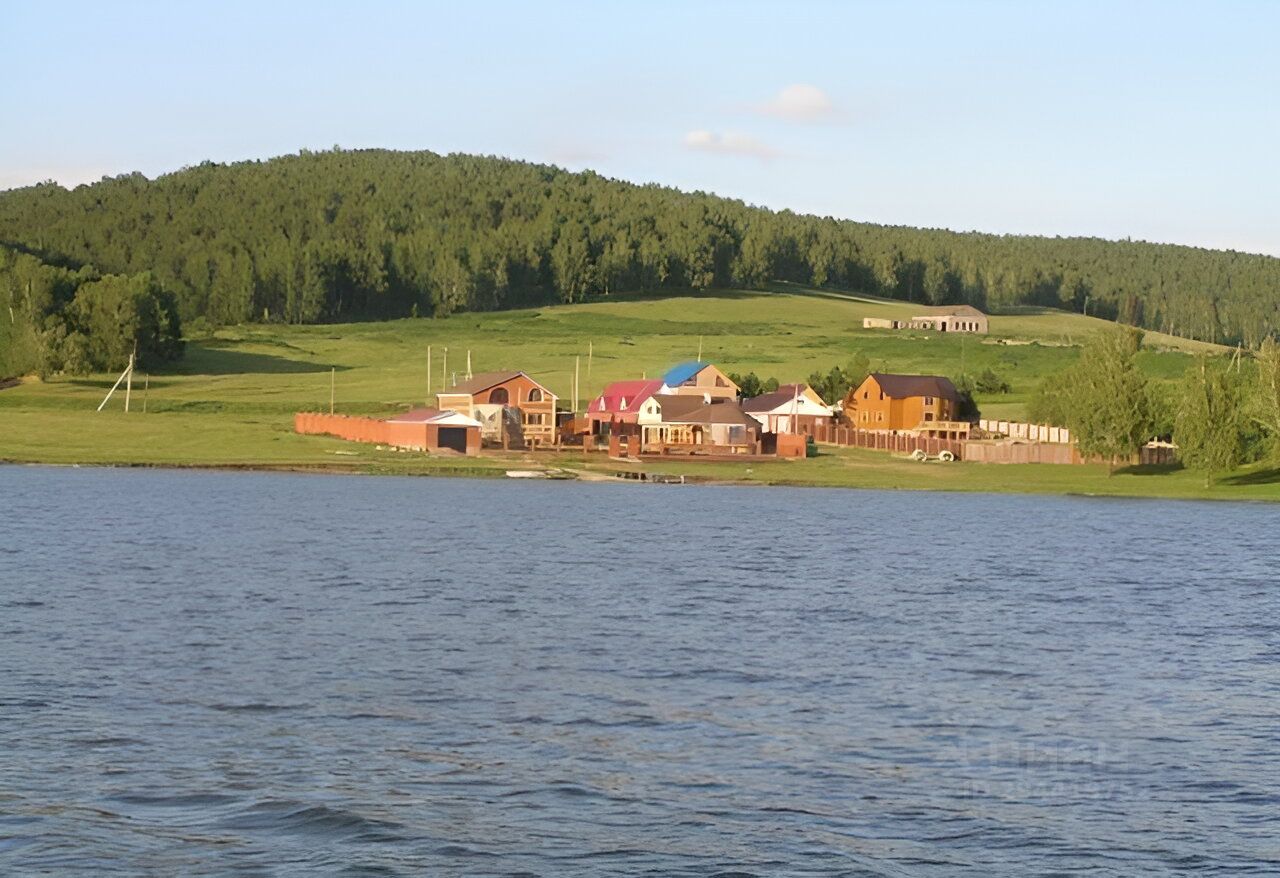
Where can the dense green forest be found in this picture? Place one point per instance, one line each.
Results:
(63, 320)
(345, 235)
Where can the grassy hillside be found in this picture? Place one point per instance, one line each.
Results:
(231, 400)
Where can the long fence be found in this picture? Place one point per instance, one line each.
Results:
(1029, 432)
(372, 430)
(1028, 447)
(880, 440)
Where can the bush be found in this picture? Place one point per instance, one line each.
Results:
(990, 383)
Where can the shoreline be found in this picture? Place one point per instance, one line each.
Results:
(608, 477)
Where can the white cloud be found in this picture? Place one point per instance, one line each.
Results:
(800, 102)
(728, 143)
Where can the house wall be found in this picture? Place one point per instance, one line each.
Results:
(877, 410)
(964, 323)
(709, 382)
(537, 418)
(650, 412)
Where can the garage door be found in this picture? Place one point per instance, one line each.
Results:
(454, 437)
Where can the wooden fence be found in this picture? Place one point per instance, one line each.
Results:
(880, 440)
(1027, 432)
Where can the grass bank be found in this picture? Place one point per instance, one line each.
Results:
(230, 402)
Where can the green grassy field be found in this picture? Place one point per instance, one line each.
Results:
(231, 400)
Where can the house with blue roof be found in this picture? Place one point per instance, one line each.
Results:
(696, 378)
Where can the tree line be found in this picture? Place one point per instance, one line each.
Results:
(370, 234)
(1225, 411)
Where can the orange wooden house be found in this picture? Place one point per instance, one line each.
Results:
(511, 406)
(901, 402)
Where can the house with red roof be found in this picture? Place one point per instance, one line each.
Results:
(618, 408)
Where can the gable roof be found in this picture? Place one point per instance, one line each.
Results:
(682, 372)
(903, 386)
(445, 417)
(951, 311)
(718, 413)
(675, 406)
(632, 392)
(484, 380)
(767, 402)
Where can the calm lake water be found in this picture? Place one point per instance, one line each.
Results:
(272, 674)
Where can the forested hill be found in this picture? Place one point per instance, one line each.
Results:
(371, 233)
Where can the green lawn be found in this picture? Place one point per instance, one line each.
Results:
(231, 400)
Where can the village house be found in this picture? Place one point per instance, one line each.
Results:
(792, 408)
(511, 407)
(696, 378)
(720, 427)
(951, 318)
(616, 411)
(903, 402)
(663, 421)
(432, 429)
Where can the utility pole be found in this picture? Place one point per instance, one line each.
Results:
(444, 369)
(590, 350)
(428, 375)
(128, 383)
(699, 349)
(333, 379)
(146, 385)
(577, 361)
(128, 371)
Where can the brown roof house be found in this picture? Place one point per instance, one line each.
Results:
(901, 402)
(512, 408)
(792, 408)
(719, 427)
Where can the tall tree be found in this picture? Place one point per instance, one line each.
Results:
(1105, 398)
(1209, 427)
(1265, 402)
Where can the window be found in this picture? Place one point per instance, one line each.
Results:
(866, 394)
(928, 416)
(720, 382)
(498, 396)
(880, 416)
(882, 396)
(535, 395)
(928, 400)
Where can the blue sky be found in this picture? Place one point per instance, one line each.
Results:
(1158, 121)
